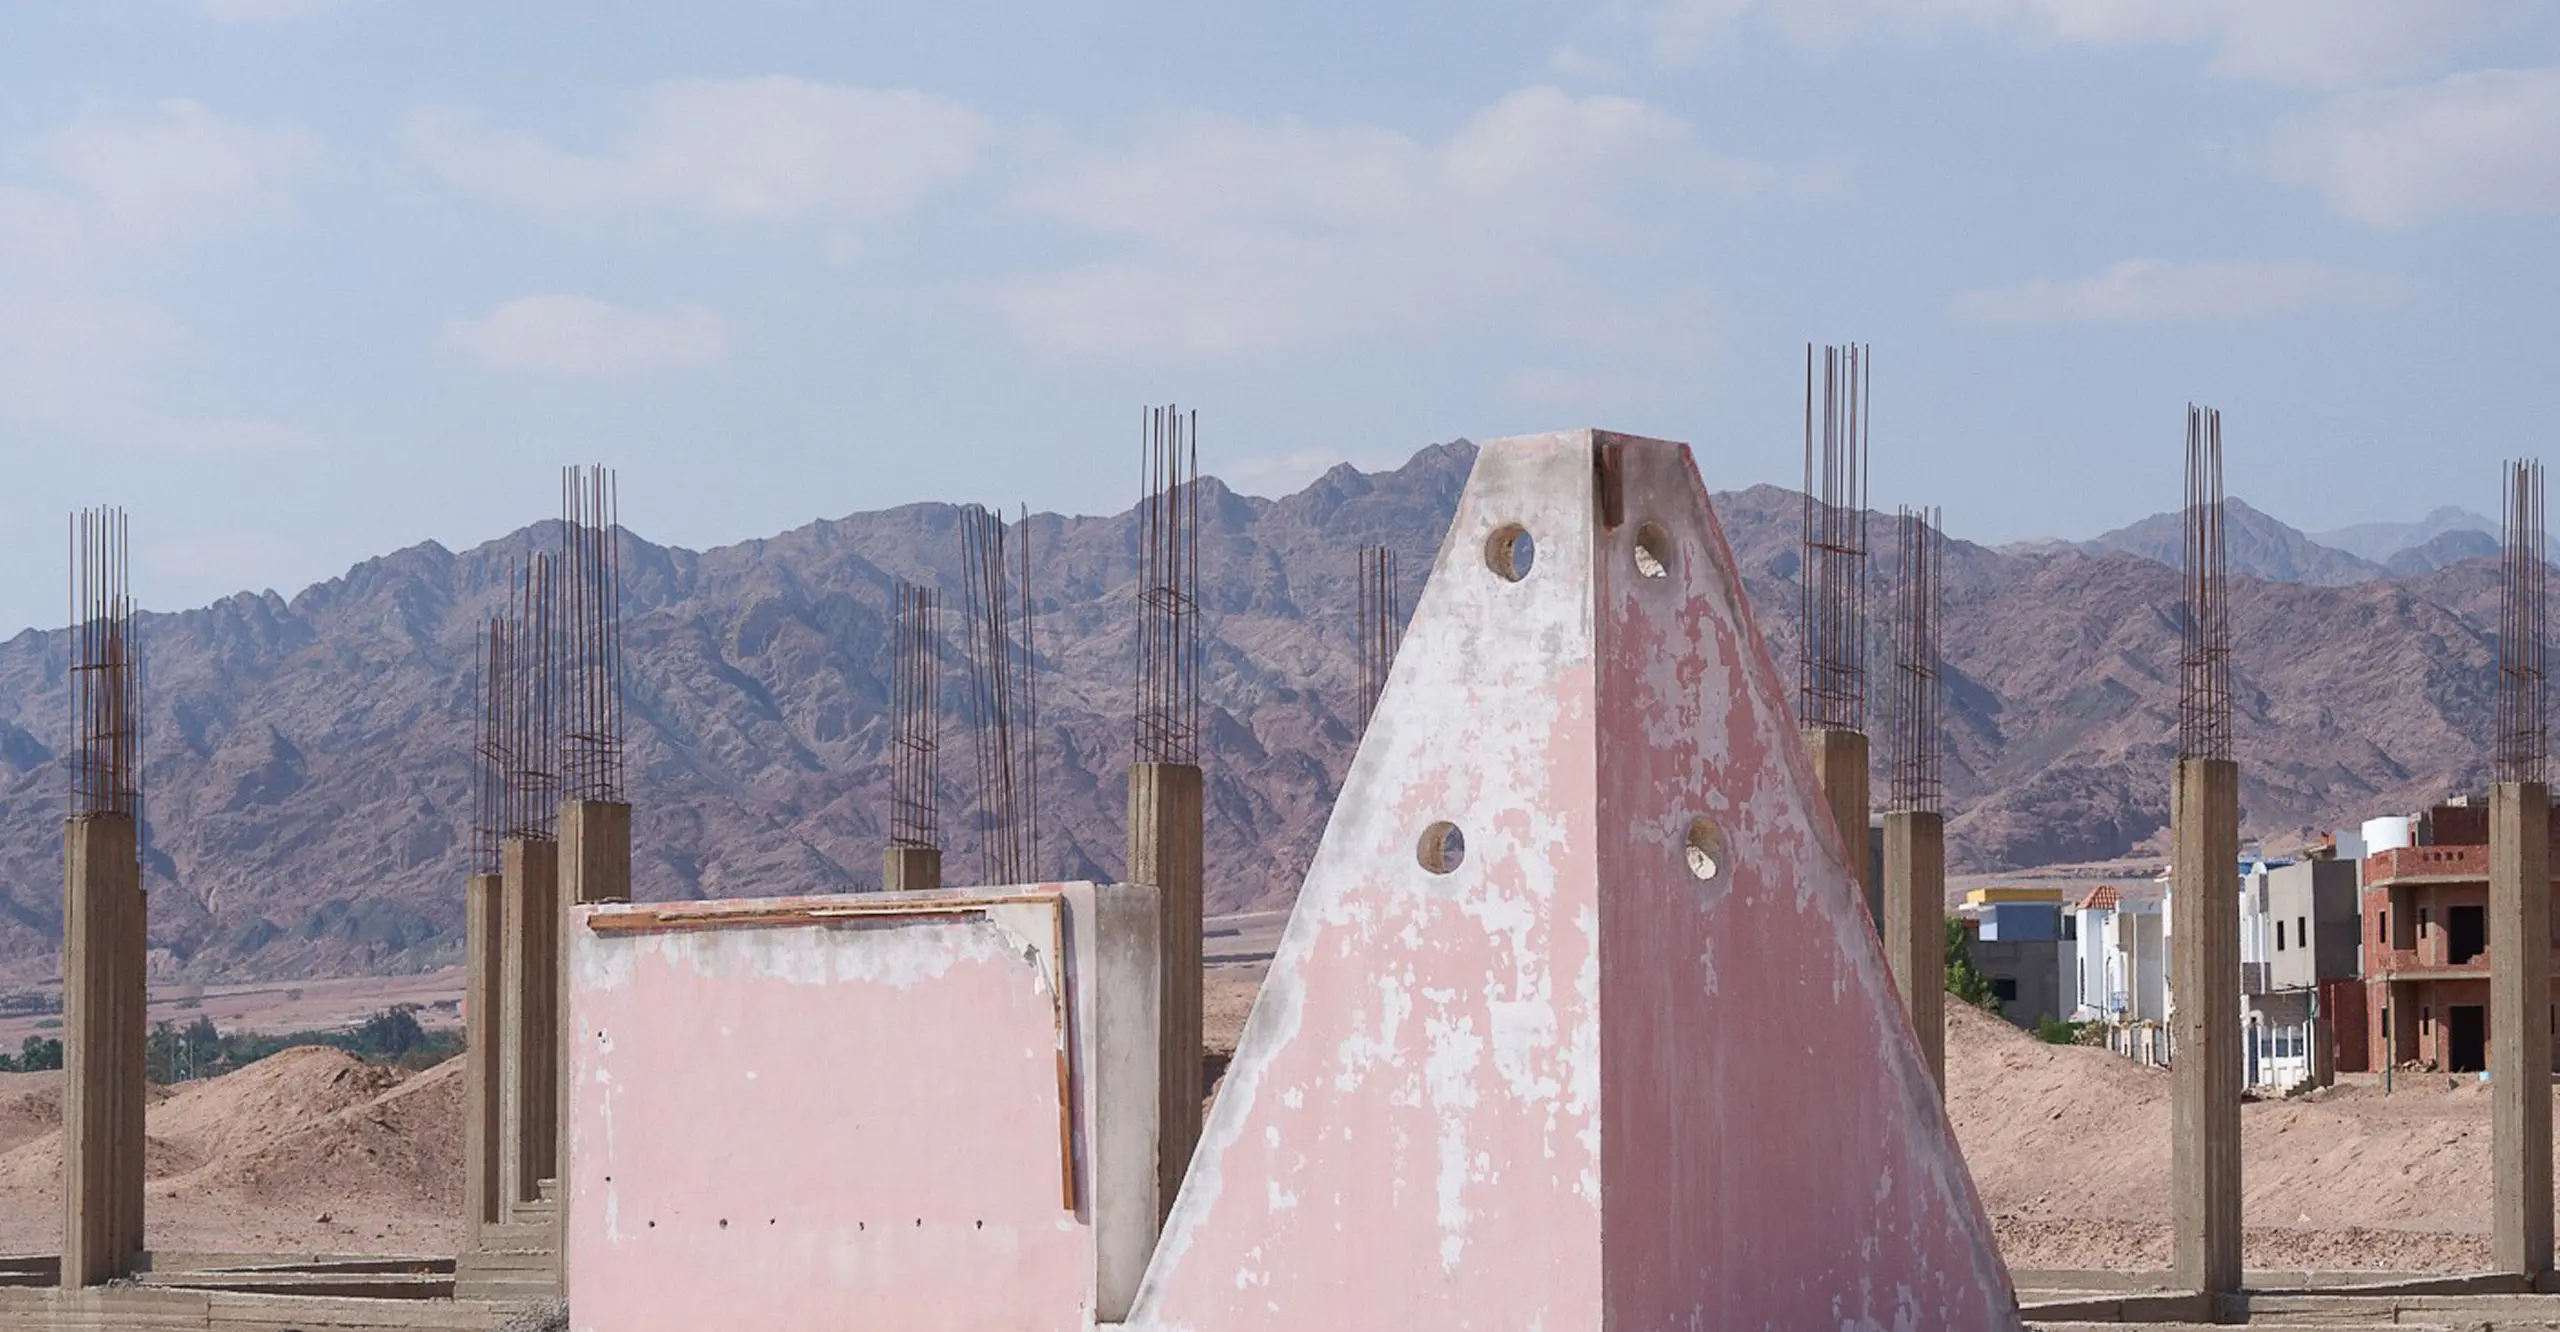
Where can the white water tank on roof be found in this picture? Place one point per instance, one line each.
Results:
(2389, 833)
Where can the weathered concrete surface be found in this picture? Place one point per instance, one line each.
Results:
(1915, 913)
(529, 1035)
(2204, 1125)
(911, 869)
(1840, 769)
(1573, 1082)
(2520, 1025)
(865, 1111)
(1121, 937)
(483, 946)
(103, 992)
(595, 868)
(1165, 854)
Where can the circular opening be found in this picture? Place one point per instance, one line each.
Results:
(1706, 850)
(1443, 847)
(1510, 552)
(1653, 551)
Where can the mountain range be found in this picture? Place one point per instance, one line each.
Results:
(309, 772)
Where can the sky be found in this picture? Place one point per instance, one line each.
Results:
(300, 282)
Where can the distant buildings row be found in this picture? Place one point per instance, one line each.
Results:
(2365, 948)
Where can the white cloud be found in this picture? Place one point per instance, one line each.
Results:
(575, 335)
(263, 11)
(2482, 142)
(2315, 43)
(119, 186)
(2155, 291)
(86, 367)
(760, 149)
(1257, 235)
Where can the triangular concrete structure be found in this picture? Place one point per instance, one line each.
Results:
(1635, 1062)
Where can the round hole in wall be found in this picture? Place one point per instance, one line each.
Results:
(1443, 847)
(1653, 551)
(1705, 850)
(1510, 551)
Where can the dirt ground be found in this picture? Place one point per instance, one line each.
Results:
(314, 1151)
(281, 1006)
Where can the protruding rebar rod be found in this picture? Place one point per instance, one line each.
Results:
(915, 749)
(1003, 680)
(2204, 699)
(1168, 684)
(591, 634)
(2523, 731)
(1918, 742)
(106, 672)
(1831, 672)
(1381, 599)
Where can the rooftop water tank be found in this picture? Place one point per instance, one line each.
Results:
(2389, 833)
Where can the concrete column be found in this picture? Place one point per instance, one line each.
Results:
(2204, 979)
(528, 1038)
(2520, 1025)
(595, 866)
(907, 869)
(1125, 960)
(1915, 910)
(1164, 854)
(1840, 765)
(104, 951)
(483, 946)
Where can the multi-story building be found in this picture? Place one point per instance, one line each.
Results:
(2121, 955)
(2425, 934)
(2022, 943)
(2302, 1008)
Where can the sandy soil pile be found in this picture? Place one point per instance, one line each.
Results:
(2069, 1147)
(311, 1150)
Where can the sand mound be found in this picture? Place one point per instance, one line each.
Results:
(400, 1151)
(30, 1107)
(224, 1116)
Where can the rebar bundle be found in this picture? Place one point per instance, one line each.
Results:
(1381, 625)
(523, 689)
(591, 742)
(1003, 693)
(492, 761)
(915, 689)
(1168, 688)
(2523, 733)
(2204, 658)
(106, 669)
(1918, 739)
(1831, 669)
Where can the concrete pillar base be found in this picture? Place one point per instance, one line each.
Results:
(1840, 766)
(104, 953)
(1165, 854)
(1915, 909)
(2204, 1145)
(2520, 1026)
(910, 869)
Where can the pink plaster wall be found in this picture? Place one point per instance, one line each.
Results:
(1776, 1154)
(850, 1124)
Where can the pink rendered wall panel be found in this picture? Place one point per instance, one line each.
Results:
(1775, 1151)
(829, 1126)
(1412, 1138)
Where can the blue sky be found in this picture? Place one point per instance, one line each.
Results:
(302, 281)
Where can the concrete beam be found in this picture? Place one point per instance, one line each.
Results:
(1840, 765)
(911, 869)
(529, 1035)
(2520, 1025)
(483, 947)
(1915, 910)
(2204, 1146)
(1165, 854)
(104, 951)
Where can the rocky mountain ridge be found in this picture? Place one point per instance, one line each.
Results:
(308, 788)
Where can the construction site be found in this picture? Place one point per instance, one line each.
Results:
(1519, 1056)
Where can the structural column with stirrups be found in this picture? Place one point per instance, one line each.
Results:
(102, 1018)
(2204, 910)
(907, 869)
(2520, 899)
(529, 1045)
(1915, 833)
(1165, 807)
(1831, 664)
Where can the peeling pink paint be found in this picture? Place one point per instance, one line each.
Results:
(1569, 1085)
(847, 1123)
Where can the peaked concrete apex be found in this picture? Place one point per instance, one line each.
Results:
(1623, 1051)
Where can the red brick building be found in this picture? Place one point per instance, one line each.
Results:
(2426, 946)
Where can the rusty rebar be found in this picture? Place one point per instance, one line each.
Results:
(915, 689)
(2204, 658)
(590, 631)
(1918, 740)
(1831, 664)
(2523, 732)
(1168, 681)
(1381, 597)
(1004, 692)
(106, 668)
(529, 694)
